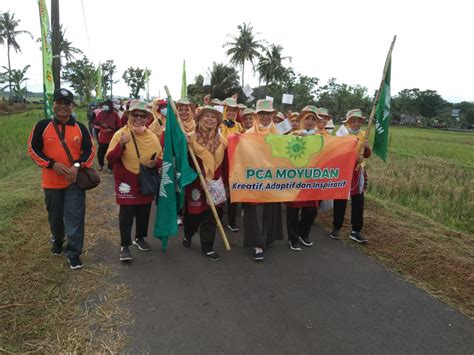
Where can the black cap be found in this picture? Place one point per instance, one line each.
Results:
(63, 94)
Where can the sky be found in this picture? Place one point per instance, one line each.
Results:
(344, 39)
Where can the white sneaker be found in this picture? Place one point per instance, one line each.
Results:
(179, 221)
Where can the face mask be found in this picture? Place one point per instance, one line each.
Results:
(164, 111)
(283, 127)
(106, 108)
(309, 131)
(139, 130)
(353, 132)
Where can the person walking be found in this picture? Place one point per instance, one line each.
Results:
(209, 146)
(352, 127)
(109, 122)
(65, 202)
(132, 145)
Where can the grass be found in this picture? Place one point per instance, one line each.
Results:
(431, 172)
(44, 307)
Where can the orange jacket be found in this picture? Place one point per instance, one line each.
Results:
(44, 147)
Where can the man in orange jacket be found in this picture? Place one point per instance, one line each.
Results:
(65, 202)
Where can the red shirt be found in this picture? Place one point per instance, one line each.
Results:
(111, 120)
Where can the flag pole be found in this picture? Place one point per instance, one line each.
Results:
(201, 177)
(377, 96)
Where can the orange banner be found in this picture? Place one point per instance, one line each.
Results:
(277, 168)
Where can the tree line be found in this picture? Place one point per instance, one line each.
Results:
(267, 60)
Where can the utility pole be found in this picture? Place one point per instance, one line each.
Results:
(56, 45)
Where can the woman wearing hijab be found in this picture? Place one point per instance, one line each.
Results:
(228, 127)
(352, 127)
(300, 215)
(123, 155)
(262, 222)
(209, 146)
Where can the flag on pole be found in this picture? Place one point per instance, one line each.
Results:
(98, 88)
(184, 87)
(147, 81)
(175, 175)
(382, 115)
(48, 83)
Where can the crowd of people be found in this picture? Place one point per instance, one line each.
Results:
(130, 135)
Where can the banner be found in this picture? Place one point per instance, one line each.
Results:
(184, 86)
(48, 83)
(382, 119)
(98, 84)
(290, 168)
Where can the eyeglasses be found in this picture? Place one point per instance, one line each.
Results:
(141, 116)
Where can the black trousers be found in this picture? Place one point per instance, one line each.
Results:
(141, 214)
(101, 154)
(206, 224)
(300, 227)
(357, 214)
(231, 212)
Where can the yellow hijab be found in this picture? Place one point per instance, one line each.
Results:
(148, 144)
(262, 130)
(226, 131)
(210, 161)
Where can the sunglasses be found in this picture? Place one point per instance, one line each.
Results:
(141, 116)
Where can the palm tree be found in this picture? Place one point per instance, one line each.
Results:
(8, 32)
(270, 66)
(224, 80)
(243, 47)
(65, 47)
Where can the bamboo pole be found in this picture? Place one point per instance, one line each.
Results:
(377, 96)
(201, 177)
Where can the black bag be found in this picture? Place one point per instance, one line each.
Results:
(87, 178)
(149, 178)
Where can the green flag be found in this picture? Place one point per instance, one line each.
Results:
(98, 88)
(382, 118)
(48, 83)
(184, 87)
(175, 175)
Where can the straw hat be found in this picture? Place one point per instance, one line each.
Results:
(280, 115)
(216, 102)
(356, 113)
(230, 102)
(308, 110)
(324, 113)
(264, 106)
(247, 111)
(294, 116)
(138, 105)
(241, 106)
(205, 109)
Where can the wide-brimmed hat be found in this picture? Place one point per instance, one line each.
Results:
(216, 102)
(241, 106)
(308, 110)
(294, 116)
(264, 106)
(138, 105)
(247, 111)
(324, 113)
(355, 113)
(280, 115)
(230, 102)
(330, 124)
(208, 108)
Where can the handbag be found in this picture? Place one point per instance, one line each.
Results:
(149, 178)
(87, 178)
(217, 191)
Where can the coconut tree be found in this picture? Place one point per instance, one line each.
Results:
(8, 33)
(243, 47)
(67, 50)
(270, 65)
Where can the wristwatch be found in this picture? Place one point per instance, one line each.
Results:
(77, 165)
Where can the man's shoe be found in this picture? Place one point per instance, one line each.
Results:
(358, 237)
(306, 241)
(179, 221)
(335, 234)
(212, 255)
(187, 242)
(141, 244)
(75, 263)
(125, 254)
(233, 228)
(56, 249)
(258, 256)
(295, 245)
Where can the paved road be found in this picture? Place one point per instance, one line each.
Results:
(330, 298)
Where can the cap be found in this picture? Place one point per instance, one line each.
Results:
(63, 94)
